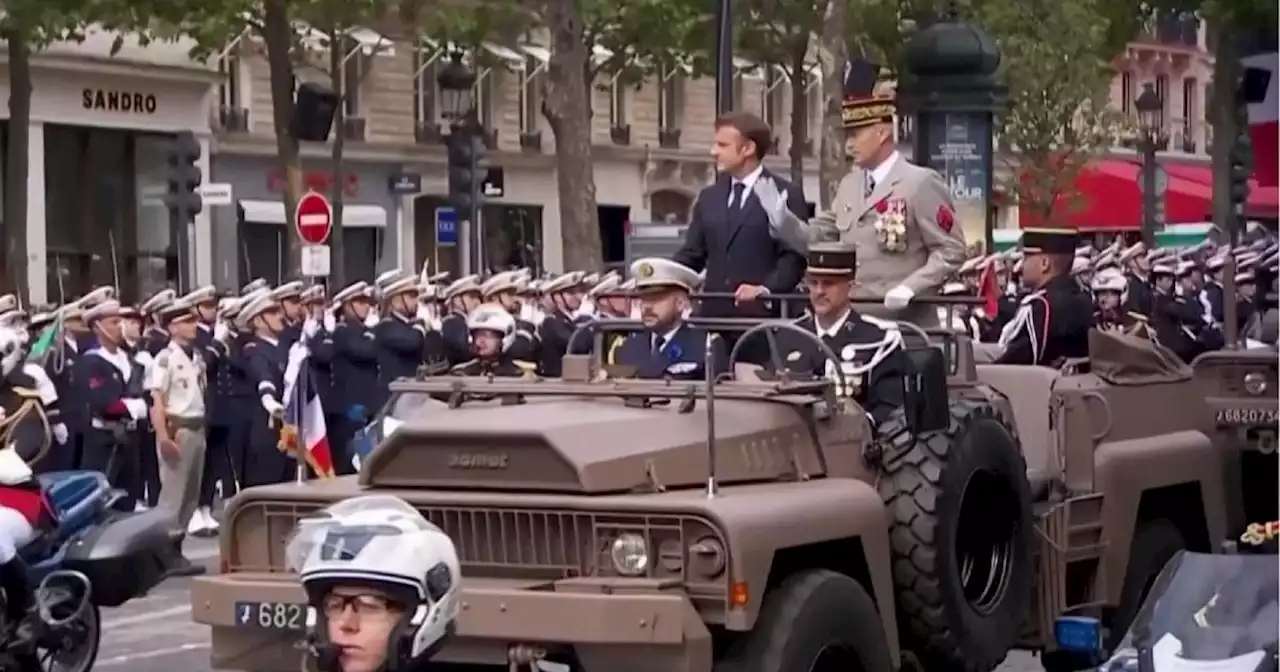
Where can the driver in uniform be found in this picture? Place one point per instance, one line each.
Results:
(1111, 300)
(1054, 319)
(869, 349)
(668, 347)
(493, 333)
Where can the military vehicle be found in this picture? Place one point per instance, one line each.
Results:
(755, 523)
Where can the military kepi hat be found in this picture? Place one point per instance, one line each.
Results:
(863, 106)
(1050, 241)
(832, 258)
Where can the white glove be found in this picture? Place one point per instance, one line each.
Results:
(585, 309)
(60, 434)
(424, 313)
(330, 322)
(371, 320)
(773, 201)
(310, 327)
(137, 408)
(271, 406)
(898, 298)
(220, 331)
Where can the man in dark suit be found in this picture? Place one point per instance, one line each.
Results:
(729, 235)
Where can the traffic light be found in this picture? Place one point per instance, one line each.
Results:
(467, 168)
(183, 197)
(1241, 167)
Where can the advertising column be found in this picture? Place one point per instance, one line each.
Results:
(959, 147)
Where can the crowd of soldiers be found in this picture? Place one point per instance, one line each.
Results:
(1174, 296)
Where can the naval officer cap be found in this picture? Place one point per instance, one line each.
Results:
(863, 104)
(313, 294)
(387, 278)
(1050, 241)
(176, 311)
(506, 281)
(8, 303)
(105, 309)
(42, 317)
(260, 304)
(832, 259)
(656, 274)
(402, 284)
(253, 286)
(564, 283)
(201, 295)
(289, 290)
(158, 301)
(352, 292)
(467, 284)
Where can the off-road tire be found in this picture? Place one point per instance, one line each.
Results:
(922, 482)
(806, 613)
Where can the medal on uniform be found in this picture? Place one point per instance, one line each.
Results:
(848, 352)
(794, 356)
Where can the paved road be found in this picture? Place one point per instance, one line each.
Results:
(155, 634)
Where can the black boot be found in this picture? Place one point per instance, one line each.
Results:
(179, 565)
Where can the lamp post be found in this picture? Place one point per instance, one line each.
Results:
(952, 89)
(466, 150)
(1149, 106)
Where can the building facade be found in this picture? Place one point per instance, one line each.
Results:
(100, 129)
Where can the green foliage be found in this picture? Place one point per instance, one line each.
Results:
(1056, 61)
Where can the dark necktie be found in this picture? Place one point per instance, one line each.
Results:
(739, 194)
(869, 187)
(658, 342)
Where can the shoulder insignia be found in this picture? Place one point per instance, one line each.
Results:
(25, 392)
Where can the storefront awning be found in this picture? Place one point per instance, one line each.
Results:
(272, 212)
(1110, 199)
(1264, 202)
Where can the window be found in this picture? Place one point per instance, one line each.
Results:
(352, 78)
(669, 102)
(1162, 90)
(771, 99)
(484, 101)
(530, 95)
(1126, 92)
(1189, 89)
(425, 86)
(231, 92)
(617, 104)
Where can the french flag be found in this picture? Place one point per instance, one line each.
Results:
(304, 433)
(1259, 88)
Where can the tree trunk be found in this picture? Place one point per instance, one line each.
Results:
(832, 164)
(568, 112)
(278, 36)
(16, 169)
(337, 51)
(1222, 120)
(799, 109)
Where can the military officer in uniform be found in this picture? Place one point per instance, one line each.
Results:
(493, 334)
(899, 215)
(266, 359)
(562, 296)
(460, 298)
(176, 380)
(404, 342)
(355, 365)
(668, 347)
(1054, 319)
(605, 303)
(1110, 300)
(869, 350)
(112, 384)
(1137, 271)
(289, 296)
(154, 337)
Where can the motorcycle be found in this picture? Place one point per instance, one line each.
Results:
(97, 556)
(1211, 613)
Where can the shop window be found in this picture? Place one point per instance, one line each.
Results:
(512, 237)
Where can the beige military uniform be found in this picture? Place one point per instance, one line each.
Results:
(905, 231)
(179, 382)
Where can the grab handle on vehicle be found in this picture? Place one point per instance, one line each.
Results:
(62, 580)
(1106, 414)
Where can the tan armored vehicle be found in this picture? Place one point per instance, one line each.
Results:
(755, 524)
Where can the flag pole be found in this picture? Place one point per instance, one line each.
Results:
(299, 399)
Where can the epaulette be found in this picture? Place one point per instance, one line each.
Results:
(1138, 316)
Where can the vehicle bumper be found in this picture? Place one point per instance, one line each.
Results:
(618, 625)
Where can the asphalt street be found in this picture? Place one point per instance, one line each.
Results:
(155, 634)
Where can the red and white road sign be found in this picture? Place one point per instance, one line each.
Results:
(314, 218)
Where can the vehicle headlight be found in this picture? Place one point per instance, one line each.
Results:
(630, 554)
(1255, 384)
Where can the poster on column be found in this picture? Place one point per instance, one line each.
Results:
(959, 146)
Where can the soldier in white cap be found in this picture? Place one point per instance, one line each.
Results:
(503, 289)
(176, 381)
(562, 297)
(354, 367)
(265, 359)
(668, 347)
(1137, 271)
(289, 297)
(460, 298)
(405, 341)
(111, 383)
(154, 337)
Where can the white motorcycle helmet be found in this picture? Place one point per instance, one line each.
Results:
(1111, 280)
(381, 542)
(495, 318)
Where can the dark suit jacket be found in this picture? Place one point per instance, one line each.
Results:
(736, 250)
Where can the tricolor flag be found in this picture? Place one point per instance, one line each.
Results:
(304, 433)
(1259, 90)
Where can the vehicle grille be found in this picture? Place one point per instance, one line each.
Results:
(494, 542)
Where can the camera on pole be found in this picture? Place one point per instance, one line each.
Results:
(467, 167)
(183, 197)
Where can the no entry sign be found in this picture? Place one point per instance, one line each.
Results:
(314, 218)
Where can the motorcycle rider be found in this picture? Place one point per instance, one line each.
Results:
(1110, 301)
(493, 333)
(382, 585)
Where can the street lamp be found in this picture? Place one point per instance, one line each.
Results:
(457, 88)
(1149, 107)
(954, 92)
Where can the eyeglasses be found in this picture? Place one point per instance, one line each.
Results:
(363, 605)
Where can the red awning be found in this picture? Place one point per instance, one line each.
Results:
(1264, 202)
(1110, 199)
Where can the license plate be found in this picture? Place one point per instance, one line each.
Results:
(271, 615)
(1235, 417)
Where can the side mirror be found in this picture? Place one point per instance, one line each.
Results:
(925, 400)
